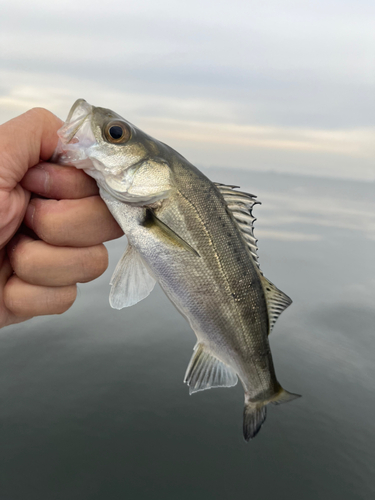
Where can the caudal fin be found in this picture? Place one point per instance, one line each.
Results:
(284, 396)
(254, 416)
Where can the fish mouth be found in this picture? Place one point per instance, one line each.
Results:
(75, 137)
(78, 114)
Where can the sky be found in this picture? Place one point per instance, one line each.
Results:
(262, 85)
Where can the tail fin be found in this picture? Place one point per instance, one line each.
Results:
(254, 416)
(284, 396)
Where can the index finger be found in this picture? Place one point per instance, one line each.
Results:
(58, 182)
(35, 133)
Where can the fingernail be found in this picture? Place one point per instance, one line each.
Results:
(40, 179)
(29, 216)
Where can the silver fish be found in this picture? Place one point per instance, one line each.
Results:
(195, 238)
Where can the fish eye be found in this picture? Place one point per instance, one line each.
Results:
(117, 132)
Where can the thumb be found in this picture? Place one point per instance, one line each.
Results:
(24, 141)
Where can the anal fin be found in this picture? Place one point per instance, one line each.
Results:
(206, 371)
(131, 281)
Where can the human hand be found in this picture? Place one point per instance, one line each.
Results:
(39, 276)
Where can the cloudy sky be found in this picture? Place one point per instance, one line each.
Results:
(257, 84)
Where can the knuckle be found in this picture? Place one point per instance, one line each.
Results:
(38, 112)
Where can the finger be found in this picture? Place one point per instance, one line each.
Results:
(25, 300)
(6, 271)
(39, 263)
(36, 134)
(57, 182)
(76, 223)
(13, 207)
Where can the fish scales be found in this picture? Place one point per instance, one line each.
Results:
(224, 263)
(183, 233)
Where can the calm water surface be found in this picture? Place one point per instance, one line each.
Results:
(93, 405)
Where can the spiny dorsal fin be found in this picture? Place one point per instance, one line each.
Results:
(276, 300)
(240, 205)
(206, 371)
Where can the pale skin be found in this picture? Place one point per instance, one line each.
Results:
(61, 206)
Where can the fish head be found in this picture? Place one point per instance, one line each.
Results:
(124, 161)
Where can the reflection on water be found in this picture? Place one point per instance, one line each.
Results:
(93, 404)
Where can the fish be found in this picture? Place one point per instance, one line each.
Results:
(196, 239)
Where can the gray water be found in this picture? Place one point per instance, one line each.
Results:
(93, 405)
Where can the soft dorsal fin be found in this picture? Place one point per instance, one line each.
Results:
(206, 371)
(131, 281)
(276, 300)
(240, 206)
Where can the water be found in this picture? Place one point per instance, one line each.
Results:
(93, 404)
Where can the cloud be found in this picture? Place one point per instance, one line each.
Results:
(286, 86)
(207, 134)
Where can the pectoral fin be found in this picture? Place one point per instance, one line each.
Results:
(152, 219)
(131, 281)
